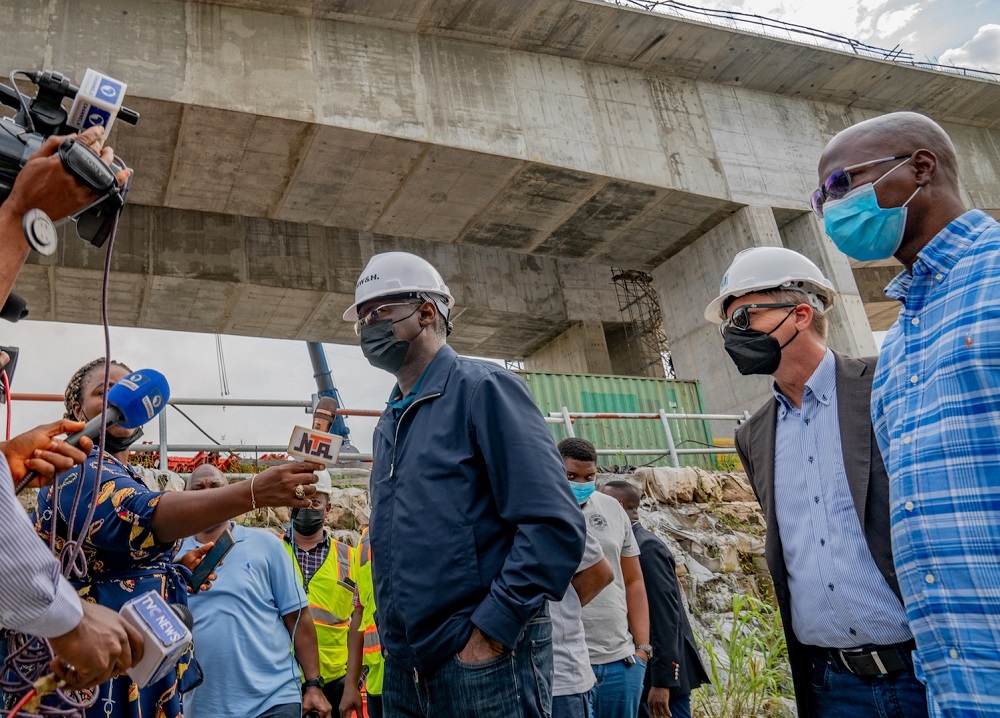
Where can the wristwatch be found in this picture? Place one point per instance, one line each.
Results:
(645, 648)
(40, 232)
(311, 683)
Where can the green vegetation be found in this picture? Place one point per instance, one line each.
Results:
(751, 671)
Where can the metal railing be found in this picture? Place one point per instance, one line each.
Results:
(163, 447)
(567, 417)
(782, 30)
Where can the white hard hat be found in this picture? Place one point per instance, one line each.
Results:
(761, 268)
(394, 273)
(325, 484)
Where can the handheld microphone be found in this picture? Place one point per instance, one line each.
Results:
(132, 402)
(317, 444)
(324, 414)
(166, 633)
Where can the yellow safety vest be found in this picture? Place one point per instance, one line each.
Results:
(331, 603)
(366, 594)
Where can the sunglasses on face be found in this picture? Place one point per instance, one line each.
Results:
(741, 317)
(838, 184)
(372, 315)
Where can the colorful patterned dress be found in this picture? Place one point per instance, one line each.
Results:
(124, 561)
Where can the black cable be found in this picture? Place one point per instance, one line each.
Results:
(195, 425)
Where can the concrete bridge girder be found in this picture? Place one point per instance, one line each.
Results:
(284, 141)
(218, 273)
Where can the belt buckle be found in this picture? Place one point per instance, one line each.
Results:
(858, 652)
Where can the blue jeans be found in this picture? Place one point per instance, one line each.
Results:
(837, 693)
(576, 705)
(680, 706)
(515, 684)
(618, 689)
(285, 710)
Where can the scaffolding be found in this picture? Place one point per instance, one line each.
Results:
(646, 343)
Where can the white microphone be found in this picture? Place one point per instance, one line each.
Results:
(166, 632)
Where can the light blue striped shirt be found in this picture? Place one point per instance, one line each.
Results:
(34, 597)
(839, 597)
(936, 410)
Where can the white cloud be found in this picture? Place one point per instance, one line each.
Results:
(981, 52)
(896, 20)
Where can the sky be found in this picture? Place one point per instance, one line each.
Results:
(958, 32)
(961, 32)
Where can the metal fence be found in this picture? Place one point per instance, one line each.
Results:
(567, 418)
(771, 27)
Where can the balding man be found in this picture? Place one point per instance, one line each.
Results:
(889, 188)
(243, 626)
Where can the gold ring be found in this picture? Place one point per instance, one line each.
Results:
(300, 493)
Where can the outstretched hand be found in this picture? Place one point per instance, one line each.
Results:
(39, 450)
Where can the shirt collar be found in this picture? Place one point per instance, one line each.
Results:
(820, 386)
(944, 250)
(398, 402)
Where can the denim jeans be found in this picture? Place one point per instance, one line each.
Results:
(680, 706)
(515, 684)
(285, 710)
(618, 689)
(374, 706)
(838, 693)
(576, 705)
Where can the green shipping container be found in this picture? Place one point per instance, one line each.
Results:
(592, 393)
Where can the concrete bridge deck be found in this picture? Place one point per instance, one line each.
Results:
(522, 146)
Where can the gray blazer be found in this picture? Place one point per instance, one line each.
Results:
(866, 476)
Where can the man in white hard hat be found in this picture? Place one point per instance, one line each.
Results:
(811, 456)
(473, 526)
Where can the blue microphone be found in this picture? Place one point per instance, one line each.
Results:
(132, 402)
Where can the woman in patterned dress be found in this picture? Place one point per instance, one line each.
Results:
(132, 538)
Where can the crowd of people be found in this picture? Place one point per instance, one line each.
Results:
(495, 578)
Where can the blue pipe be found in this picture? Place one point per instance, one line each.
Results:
(326, 387)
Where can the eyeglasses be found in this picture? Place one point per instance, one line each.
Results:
(838, 184)
(372, 315)
(741, 317)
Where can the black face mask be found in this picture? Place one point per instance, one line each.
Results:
(308, 521)
(116, 445)
(383, 349)
(756, 352)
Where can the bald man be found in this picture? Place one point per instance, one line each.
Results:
(889, 187)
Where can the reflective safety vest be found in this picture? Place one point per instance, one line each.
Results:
(331, 603)
(366, 594)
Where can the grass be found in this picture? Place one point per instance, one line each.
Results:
(751, 670)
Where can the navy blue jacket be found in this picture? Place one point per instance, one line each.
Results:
(473, 521)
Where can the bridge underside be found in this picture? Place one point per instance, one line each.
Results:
(524, 147)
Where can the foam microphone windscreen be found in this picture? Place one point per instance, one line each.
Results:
(140, 396)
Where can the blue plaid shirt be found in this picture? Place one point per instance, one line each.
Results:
(936, 411)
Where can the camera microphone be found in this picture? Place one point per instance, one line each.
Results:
(132, 402)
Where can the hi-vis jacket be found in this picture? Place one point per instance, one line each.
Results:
(372, 656)
(331, 602)
(473, 521)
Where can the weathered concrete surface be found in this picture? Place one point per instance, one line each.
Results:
(282, 141)
(257, 277)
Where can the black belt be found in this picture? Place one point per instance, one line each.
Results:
(869, 661)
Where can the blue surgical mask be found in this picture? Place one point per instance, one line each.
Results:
(582, 491)
(862, 229)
